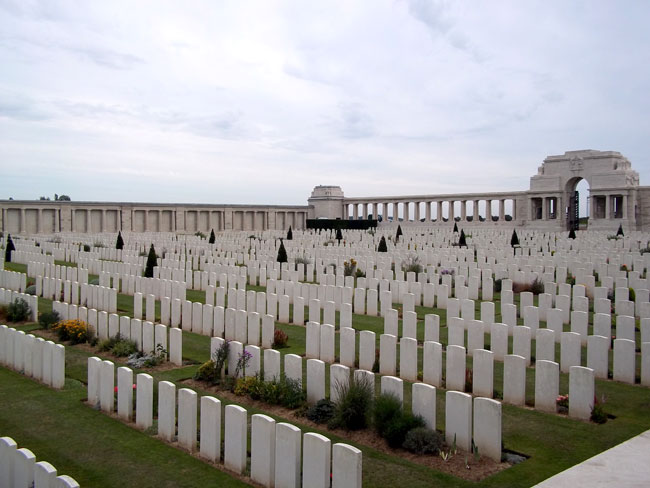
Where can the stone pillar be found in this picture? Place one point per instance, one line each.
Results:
(463, 210)
(475, 211)
(544, 208)
(355, 211)
(395, 211)
(103, 226)
(607, 207)
(427, 211)
(624, 203)
(451, 211)
(502, 209)
(160, 220)
(364, 207)
(439, 215)
(417, 211)
(488, 210)
(39, 226)
(406, 211)
(22, 220)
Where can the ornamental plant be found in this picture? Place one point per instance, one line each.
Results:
(349, 267)
(73, 330)
(152, 260)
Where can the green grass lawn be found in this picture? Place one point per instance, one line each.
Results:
(100, 451)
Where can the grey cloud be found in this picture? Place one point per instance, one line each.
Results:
(21, 109)
(107, 58)
(355, 122)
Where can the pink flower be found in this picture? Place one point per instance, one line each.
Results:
(115, 389)
(134, 386)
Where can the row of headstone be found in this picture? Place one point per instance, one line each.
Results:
(9, 296)
(13, 280)
(19, 469)
(178, 419)
(150, 338)
(32, 356)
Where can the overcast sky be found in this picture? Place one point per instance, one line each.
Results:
(259, 101)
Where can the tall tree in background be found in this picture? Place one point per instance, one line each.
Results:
(120, 242)
(212, 237)
(152, 260)
(9, 249)
(382, 247)
(514, 240)
(290, 234)
(399, 233)
(282, 253)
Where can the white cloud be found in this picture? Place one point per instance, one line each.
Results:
(249, 102)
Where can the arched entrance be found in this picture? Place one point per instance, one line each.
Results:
(609, 199)
(577, 208)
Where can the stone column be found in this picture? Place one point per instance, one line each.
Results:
(502, 209)
(463, 210)
(475, 211)
(39, 227)
(544, 208)
(451, 211)
(355, 211)
(89, 222)
(488, 210)
(57, 220)
(439, 216)
(160, 221)
(607, 207)
(427, 212)
(364, 208)
(395, 211)
(406, 211)
(22, 220)
(624, 203)
(417, 211)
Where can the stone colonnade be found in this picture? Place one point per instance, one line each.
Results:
(39, 217)
(487, 207)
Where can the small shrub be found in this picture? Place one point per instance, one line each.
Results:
(152, 261)
(354, 403)
(399, 426)
(75, 331)
(537, 287)
(359, 274)
(497, 285)
(139, 360)
(48, 319)
(422, 440)
(632, 295)
(598, 414)
(30, 290)
(205, 371)
(86, 247)
(469, 381)
(321, 412)
(412, 264)
(302, 260)
(292, 394)
(94, 281)
(200, 234)
(386, 407)
(124, 347)
(18, 311)
(280, 339)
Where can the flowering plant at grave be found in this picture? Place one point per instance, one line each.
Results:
(134, 387)
(562, 401)
(242, 362)
(349, 268)
(74, 330)
(447, 272)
